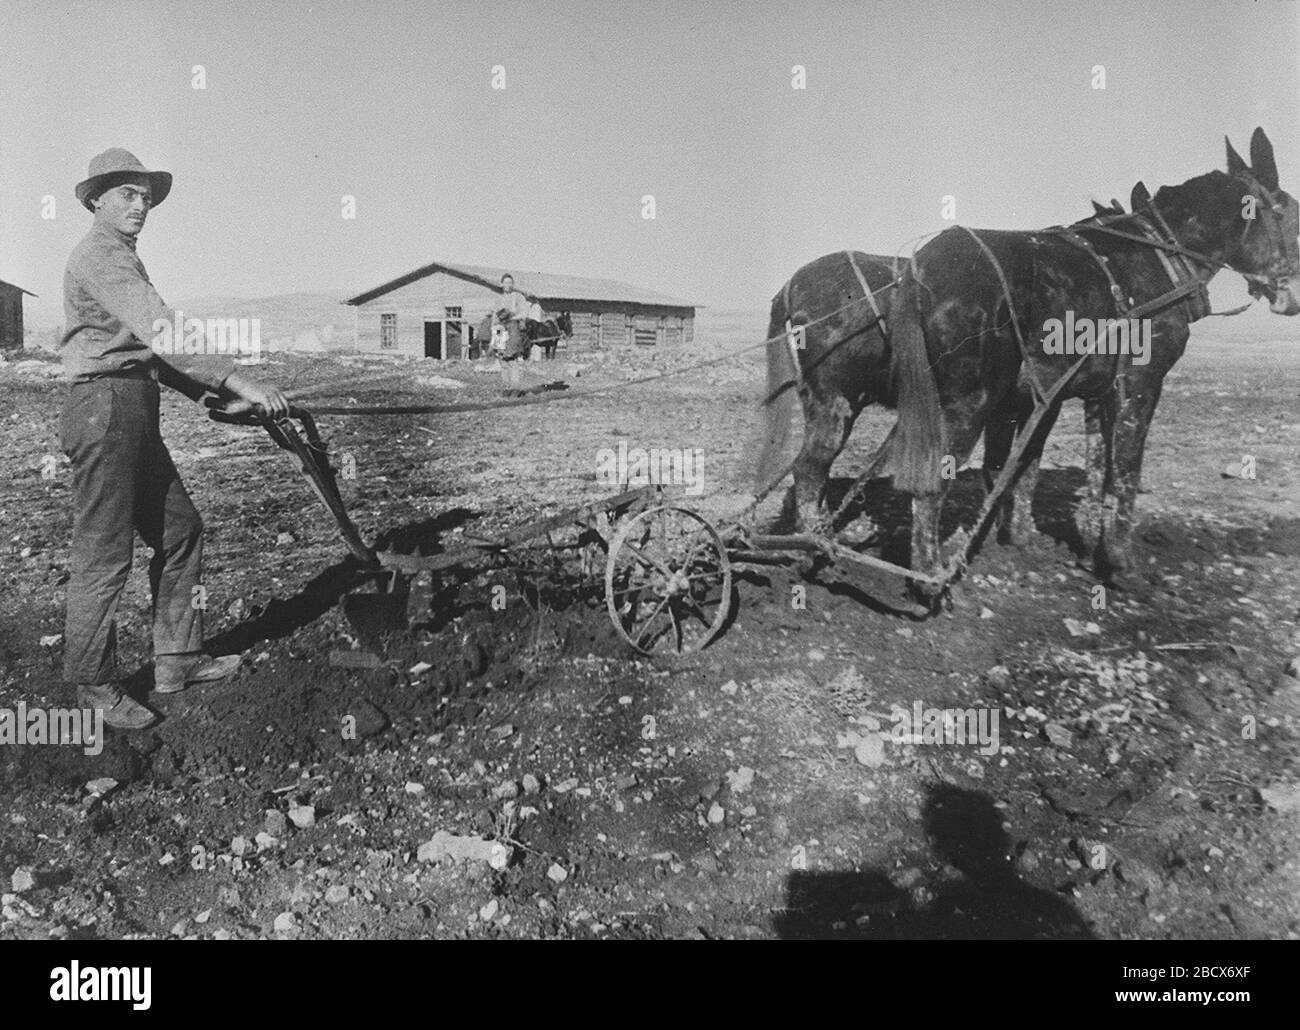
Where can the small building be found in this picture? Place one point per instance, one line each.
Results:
(11, 315)
(434, 311)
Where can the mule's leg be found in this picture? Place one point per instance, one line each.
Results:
(1018, 527)
(827, 424)
(927, 509)
(1099, 417)
(1113, 558)
(998, 437)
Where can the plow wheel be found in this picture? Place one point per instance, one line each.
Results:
(668, 581)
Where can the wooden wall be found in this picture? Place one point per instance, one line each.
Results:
(11, 317)
(595, 323)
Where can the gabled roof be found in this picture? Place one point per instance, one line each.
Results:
(542, 286)
(6, 282)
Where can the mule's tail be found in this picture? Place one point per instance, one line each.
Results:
(917, 444)
(779, 401)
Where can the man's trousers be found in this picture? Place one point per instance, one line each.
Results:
(124, 483)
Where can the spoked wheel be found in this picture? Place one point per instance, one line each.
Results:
(668, 580)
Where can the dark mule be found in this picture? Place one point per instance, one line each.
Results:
(843, 366)
(548, 333)
(969, 357)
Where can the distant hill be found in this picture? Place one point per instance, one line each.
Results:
(285, 318)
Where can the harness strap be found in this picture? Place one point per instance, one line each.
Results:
(1034, 384)
(790, 337)
(1122, 303)
(1199, 306)
(871, 297)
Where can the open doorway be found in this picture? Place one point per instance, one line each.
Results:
(444, 338)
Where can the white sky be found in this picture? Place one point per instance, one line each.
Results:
(605, 102)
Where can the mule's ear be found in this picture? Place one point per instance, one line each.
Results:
(1139, 197)
(1235, 164)
(1119, 208)
(1261, 159)
(1101, 209)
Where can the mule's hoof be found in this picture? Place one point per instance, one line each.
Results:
(1021, 536)
(1121, 578)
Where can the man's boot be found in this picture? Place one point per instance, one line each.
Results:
(120, 711)
(172, 673)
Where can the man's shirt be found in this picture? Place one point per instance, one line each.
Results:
(111, 307)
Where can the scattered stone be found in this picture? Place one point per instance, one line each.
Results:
(730, 687)
(716, 813)
(1293, 668)
(870, 751)
(275, 823)
(286, 922)
(239, 845)
(489, 911)
(564, 786)
(464, 849)
(505, 790)
(1284, 798)
(625, 782)
(531, 784)
(52, 640)
(999, 677)
(986, 613)
(203, 916)
(414, 788)
(23, 879)
(1058, 734)
(741, 779)
(302, 816)
(419, 668)
(284, 539)
(705, 862)
(557, 873)
(264, 840)
(102, 786)
(337, 894)
(502, 731)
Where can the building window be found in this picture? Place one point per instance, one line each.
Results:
(388, 330)
(453, 311)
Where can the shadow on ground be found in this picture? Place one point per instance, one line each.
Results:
(988, 902)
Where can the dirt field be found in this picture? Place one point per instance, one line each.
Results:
(1140, 787)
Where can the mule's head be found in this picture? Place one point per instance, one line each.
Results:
(1267, 252)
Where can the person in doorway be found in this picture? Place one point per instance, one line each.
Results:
(124, 481)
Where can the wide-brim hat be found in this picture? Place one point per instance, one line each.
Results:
(113, 167)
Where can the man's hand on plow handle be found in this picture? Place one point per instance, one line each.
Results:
(241, 394)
